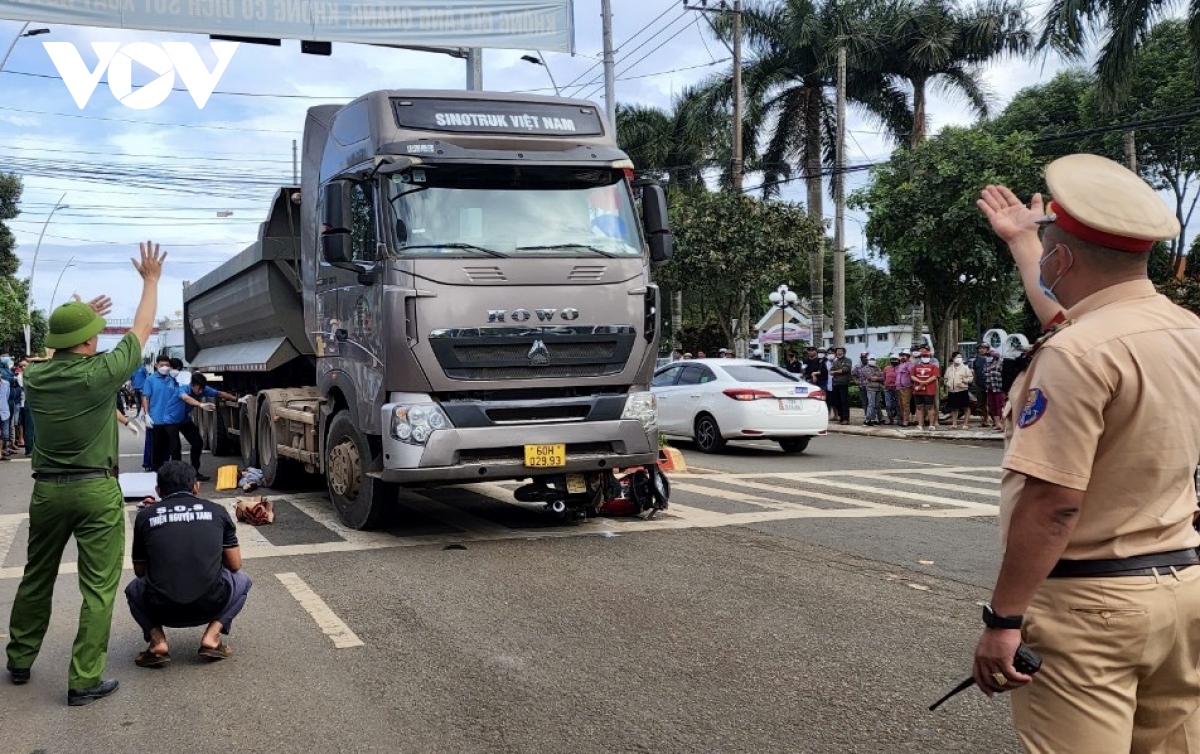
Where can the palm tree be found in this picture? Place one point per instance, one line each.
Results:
(676, 145)
(937, 43)
(1124, 25)
(788, 84)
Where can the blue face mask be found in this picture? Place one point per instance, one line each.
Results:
(6, 361)
(1048, 290)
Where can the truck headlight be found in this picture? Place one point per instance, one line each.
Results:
(644, 408)
(415, 423)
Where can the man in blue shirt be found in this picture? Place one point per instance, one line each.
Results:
(165, 403)
(199, 390)
(137, 382)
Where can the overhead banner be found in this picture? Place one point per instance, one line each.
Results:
(510, 24)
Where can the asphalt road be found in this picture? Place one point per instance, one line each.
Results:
(812, 603)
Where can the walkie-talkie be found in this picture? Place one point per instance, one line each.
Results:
(1026, 661)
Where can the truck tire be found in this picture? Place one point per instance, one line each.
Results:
(362, 502)
(221, 443)
(246, 438)
(276, 470)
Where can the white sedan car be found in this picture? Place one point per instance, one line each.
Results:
(713, 401)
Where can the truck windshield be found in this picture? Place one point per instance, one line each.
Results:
(477, 210)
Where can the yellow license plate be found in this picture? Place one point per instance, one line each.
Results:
(576, 484)
(545, 456)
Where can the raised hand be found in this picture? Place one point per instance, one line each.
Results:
(151, 264)
(1008, 215)
(102, 305)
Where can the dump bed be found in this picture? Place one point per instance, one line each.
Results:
(248, 314)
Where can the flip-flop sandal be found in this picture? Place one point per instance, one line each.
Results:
(219, 652)
(148, 659)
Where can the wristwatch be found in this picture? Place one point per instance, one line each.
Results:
(991, 620)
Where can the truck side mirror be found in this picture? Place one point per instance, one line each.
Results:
(336, 224)
(654, 222)
(335, 207)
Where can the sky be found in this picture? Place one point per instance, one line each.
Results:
(199, 181)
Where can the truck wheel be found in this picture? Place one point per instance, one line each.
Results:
(246, 439)
(362, 502)
(220, 443)
(275, 470)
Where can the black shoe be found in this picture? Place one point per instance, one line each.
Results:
(80, 697)
(202, 477)
(19, 676)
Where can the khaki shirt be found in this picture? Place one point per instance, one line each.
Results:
(1109, 406)
(73, 401)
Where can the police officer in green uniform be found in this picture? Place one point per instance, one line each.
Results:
(76, 491)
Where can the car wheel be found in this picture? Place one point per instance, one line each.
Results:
(794, 444)
(707, 435)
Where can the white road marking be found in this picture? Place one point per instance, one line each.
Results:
(9, 526)
(331, 625)
(921, 463)
(775, 502)
(988, 491)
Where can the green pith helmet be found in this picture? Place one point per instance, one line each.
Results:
(73, 323)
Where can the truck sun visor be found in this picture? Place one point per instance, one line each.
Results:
(481, 116)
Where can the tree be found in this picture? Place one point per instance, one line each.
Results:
(672, 146)
(937, 43)
(923, 219)
(1163, 84)
(1056, 107)
(1071, 27)
(14, 292)
(788, 79)
(731, 249)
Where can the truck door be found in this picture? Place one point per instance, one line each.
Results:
(351, 312)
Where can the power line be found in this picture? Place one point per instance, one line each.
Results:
(598, 63)
(184, 90)
(240, 129)
(600, 79)
(205, 158)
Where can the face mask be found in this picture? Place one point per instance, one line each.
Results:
(164, 371)
(925, 359)
(1048, 290)
(6, 361)
(990, 359)
(820, 356)
(173, 372)
(829, 358)
(957, 359)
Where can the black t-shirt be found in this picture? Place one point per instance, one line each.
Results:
(182, 540)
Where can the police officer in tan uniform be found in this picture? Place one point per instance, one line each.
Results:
(1100, 574)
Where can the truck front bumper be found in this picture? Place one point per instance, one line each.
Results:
(492, 453)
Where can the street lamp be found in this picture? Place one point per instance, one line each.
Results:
(54, 296)
(540, 60)
(783, 298)
(20, 35)
(33, 268)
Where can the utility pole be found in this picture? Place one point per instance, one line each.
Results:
(474, 69)
(737, 95)
(839, 211)
(610, 81)
(736, 161)
(1130, 150)
(295, 165)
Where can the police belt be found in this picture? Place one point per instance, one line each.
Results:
(1138, 565)
(71, 476)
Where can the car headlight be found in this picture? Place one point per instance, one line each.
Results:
(644, 408)
(414, 424)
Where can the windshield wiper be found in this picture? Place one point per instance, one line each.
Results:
(465, 246)
(554, 246)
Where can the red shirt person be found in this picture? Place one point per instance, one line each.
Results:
(925, 376)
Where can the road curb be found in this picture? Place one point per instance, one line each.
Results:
(919, 434)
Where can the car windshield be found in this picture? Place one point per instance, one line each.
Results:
(485, 210)
(764, 373)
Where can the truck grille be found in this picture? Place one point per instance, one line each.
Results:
(530, 353)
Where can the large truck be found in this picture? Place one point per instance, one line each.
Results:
(458, 291)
